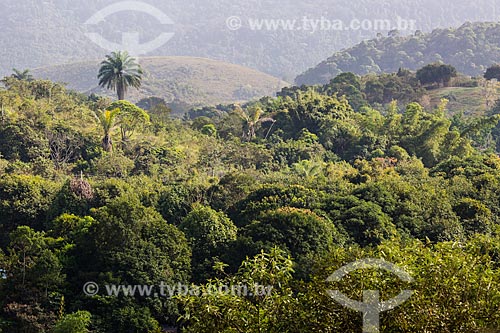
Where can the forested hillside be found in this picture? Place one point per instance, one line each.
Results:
(279, 192)
(464, 95)
(471, 49)
(52, 32)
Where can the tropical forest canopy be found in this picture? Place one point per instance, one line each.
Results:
(279, 192)
(166, 194)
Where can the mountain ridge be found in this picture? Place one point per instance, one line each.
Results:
(49, 32)
(471, 48)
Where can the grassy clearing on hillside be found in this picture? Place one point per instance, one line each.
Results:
(471, 101)
(196, 81)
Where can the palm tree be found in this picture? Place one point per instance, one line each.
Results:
(308, 169)
(107, 120)
(22, 75)
(251, 120)
(118, 72)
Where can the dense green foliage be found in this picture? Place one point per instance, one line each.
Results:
(436, 74)
(492, 72)
(77, 322)
(279, 192)
(456, 288)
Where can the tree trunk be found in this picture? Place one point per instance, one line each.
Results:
(121, 95)
(120, 90)
(107, 143)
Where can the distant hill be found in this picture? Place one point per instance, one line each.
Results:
(39, 33)
(195, 81)
(471, 49)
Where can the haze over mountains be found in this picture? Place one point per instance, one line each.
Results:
(471, 48)
(42, 33)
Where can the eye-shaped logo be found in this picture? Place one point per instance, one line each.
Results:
(130, 40)
(371, 307)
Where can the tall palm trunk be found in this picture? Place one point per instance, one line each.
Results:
(120, 90)
(107, 143)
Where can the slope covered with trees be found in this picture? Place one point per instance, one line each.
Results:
(279, 192)
(471, 49)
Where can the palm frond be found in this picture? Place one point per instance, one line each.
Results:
(120, 71)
